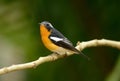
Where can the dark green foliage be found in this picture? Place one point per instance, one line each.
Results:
(78, 20)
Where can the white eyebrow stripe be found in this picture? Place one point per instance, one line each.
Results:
(50, 25)
(56, 39)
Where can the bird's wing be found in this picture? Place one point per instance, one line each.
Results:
(56, 33)
(59, 39)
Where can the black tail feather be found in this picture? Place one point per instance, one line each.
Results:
(82, 54)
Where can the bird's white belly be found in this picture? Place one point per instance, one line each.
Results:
(61, 50)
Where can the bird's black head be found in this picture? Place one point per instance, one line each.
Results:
(47, 24)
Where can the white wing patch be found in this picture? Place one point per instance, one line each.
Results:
(56, 39)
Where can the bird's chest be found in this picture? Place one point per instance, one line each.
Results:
(51, 46)
(46, 41)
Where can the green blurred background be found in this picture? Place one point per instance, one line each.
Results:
(78, 20)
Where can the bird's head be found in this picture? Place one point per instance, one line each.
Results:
(47, 25)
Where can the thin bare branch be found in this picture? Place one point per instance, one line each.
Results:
(53, 57)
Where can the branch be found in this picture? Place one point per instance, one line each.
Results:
(53, 56)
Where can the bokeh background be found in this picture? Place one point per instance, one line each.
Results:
(78, 20)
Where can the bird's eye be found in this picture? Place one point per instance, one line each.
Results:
(47, 25)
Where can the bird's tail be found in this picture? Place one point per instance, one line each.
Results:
(82, 54)
(76, 51)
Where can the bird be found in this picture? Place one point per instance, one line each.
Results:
(55, 41)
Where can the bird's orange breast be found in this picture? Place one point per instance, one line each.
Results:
(45, 39)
